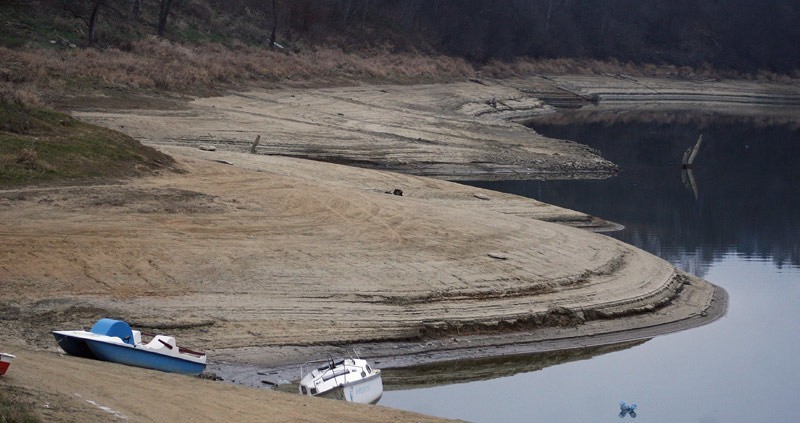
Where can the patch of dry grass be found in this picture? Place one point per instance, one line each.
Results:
(41, 145)
(154, 64)
(14, 409)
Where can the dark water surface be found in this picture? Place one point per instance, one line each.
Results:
(735, 221)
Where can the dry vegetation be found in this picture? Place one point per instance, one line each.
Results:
(155, 64)
(159, 65)
(39, 145)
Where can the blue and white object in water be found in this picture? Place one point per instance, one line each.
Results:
(627, 409)
(115, 341)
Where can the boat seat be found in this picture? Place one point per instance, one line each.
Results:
(162, 341)
(137, 337)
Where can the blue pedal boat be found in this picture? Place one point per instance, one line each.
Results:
(115, 341)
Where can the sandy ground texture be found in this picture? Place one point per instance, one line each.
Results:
(266, 261)
(463, 130)
(455, 131)
(67, 389)
(275, 251)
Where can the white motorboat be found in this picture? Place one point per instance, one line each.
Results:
(349, 379)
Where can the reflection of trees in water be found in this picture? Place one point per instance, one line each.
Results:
(693, 262)
(462, 371)
(746, 176)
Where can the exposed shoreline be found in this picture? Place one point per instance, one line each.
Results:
(267, 367)
(229, 254)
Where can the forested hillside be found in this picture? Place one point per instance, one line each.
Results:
(741, 35)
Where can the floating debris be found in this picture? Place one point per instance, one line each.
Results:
(626, 409)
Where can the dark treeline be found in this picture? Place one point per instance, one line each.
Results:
(743, 35)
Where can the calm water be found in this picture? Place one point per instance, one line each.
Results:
(735, 221)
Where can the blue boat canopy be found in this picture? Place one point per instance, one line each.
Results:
(111, 327)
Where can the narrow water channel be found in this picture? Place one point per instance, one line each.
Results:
(734, 220)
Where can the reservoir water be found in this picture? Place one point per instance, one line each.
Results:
(733, 220)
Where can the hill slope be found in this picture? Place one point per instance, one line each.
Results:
(40, 145)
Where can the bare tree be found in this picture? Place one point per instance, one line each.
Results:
(93, 22)
(162, 16)
(75, 9)
(274, 25)
(137, 10)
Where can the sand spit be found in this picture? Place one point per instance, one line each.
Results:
(457, 131)
(453, 131)
(275, 251)
(266, 259)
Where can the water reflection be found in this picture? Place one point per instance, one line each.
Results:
(742, 195)
(462, 371)
(740, 232)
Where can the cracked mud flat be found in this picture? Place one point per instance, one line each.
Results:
(269, 261)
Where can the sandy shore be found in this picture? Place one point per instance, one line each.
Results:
(454, 131)
(266, 261)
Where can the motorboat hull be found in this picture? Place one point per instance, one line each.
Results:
(365, 391)
(351, 379)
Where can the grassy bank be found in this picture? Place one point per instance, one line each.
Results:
(40, 145)
(12, 411)
(154, 65)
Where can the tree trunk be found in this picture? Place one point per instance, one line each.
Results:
(364, 13)
(274, 25)
(137, 10)
(162, 16)
(346, 11)
(93, 22)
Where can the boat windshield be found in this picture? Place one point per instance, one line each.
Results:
(335, 373)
